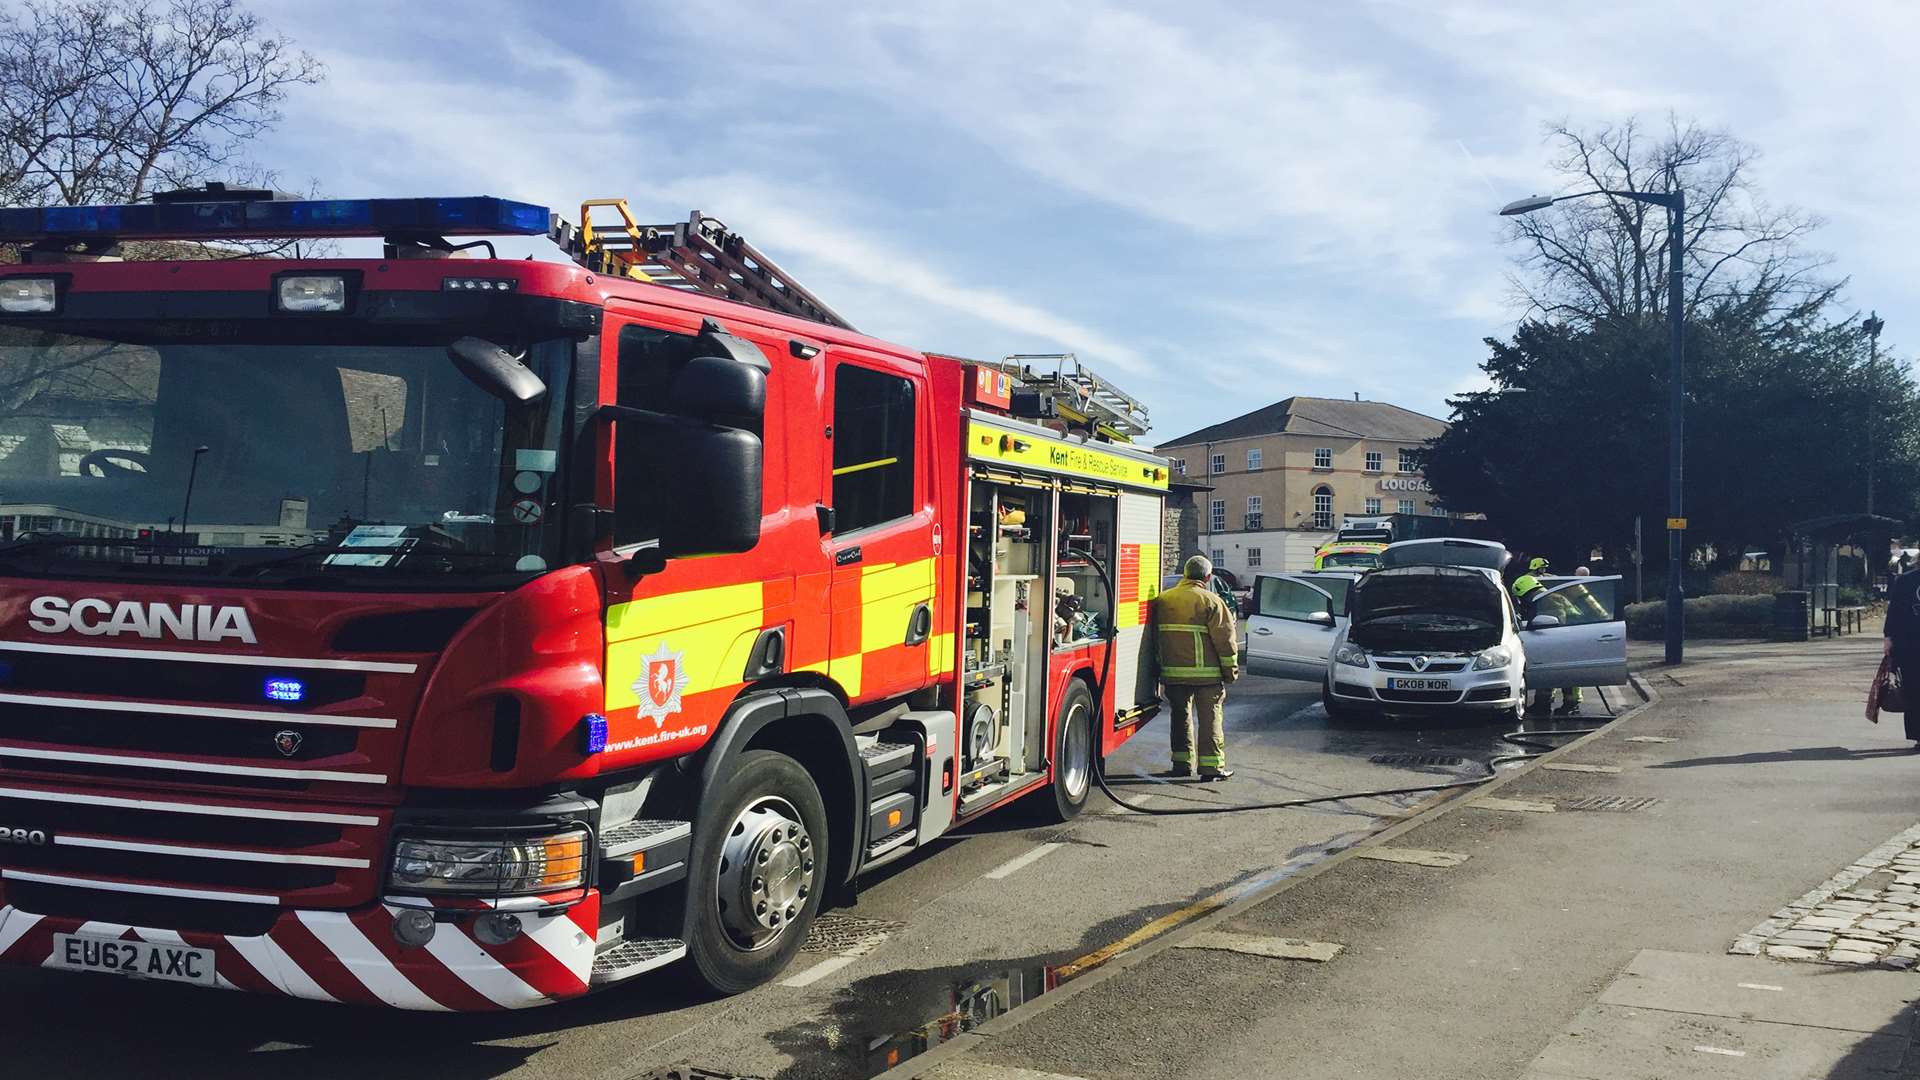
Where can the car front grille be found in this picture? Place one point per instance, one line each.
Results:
(1433, 667)
(1420, 697)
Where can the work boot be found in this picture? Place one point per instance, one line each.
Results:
(1177, 772)
(1216, 774)
(1571, 708)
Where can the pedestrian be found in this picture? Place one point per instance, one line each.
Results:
(1198, 650)
(1903, 639)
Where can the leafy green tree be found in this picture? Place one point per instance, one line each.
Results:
(1570, 443)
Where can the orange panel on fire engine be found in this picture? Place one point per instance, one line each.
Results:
(883, 538)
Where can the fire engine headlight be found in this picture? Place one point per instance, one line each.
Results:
(28, 295)
(311, 294)
(491, 865)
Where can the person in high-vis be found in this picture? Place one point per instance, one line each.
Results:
(1198, 650)
(1530, 592)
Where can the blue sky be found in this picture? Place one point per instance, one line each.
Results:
(1217, 205)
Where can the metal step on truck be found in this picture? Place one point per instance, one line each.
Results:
(460, 633)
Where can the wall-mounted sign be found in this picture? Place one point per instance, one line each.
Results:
(1405, 483)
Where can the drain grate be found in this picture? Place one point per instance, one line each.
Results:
(1428, 760)
(1615, 804)
(689, 1072)
(843, 933)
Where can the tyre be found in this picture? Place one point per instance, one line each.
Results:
(1338, 709)
(1073, 753)
(754, 882)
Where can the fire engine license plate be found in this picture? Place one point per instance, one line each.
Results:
(135, 959)
(1419, 684)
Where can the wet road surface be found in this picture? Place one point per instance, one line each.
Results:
(948, 938)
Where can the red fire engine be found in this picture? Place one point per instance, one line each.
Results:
(470, 633)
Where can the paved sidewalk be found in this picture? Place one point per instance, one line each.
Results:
(1576, 924)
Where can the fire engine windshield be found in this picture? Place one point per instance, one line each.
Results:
(276, 463)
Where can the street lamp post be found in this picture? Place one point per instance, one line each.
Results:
(187, 504)
(1675, 202)
(1872, 325)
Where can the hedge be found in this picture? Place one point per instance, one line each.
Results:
(1707, 616)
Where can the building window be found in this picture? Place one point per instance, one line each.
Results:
(1179, 466)
(1253, 512)
(1217, 516)
(1218, 463)
(1406, 506)
(1373, 506)
(1323, 507)
(1253, 558)
(1219, 556)
(1253, 459)
(1323, 457)
(1407, 459)
(872, 448)
(1374, 463)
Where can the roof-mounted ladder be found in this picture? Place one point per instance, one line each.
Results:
(698, 255)
(1079, 394)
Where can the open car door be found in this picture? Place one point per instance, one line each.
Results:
(1291, 630)
(1577, 636)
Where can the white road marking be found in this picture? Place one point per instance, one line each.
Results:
(1649, 738)
(1515, 806)
(1008, 868)
(1718, 1050)
(1276, 948)
(1761, 986)
(1413, 856)
(1568, 766)
(819, 971)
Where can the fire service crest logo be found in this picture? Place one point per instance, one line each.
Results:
(659, 688)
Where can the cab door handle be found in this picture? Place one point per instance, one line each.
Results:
(920, 625)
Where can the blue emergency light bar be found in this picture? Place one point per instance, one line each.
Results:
(481, 215)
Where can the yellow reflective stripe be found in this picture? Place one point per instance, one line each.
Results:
(844, 670)
(655, 614)
(1191, 672)
(709, 631)
(940, 659)
(1182, 626)
(1127, 614)
(865, 465)
(888, 594)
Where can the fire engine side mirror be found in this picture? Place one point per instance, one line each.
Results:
(720, 391)
(706, 479)
(496, 371)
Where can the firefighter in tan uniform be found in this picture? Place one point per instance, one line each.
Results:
(1199, 654)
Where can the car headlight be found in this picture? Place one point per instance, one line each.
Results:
(491, 865)
(1497, 657)
(1350, 655)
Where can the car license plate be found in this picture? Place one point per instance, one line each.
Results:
(134, 959)
(1419, 684)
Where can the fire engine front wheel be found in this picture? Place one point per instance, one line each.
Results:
(1073, 752)
(756, 882)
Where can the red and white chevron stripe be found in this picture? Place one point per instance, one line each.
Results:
(351, 956)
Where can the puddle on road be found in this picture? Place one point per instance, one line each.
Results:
(969, 1004)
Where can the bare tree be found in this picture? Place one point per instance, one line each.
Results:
(108, 101)
(1606, 258)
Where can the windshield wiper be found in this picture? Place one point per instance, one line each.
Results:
(415, 557)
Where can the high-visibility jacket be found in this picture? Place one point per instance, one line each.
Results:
(1194, 635)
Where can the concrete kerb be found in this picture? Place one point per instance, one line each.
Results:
(1428, 810)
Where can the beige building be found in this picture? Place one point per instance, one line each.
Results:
(1285, 476)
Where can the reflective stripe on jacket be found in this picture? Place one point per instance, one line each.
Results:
(1194, 635)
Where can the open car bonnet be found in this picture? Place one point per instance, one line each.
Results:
(1432, 609)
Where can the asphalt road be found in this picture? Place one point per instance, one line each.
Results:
(973, 925)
